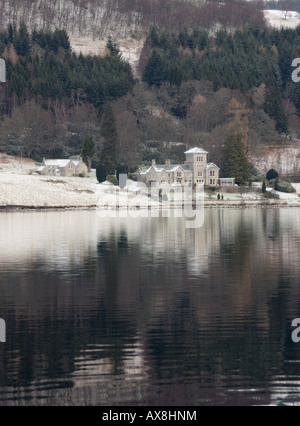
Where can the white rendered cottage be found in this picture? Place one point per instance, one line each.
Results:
(63, 168)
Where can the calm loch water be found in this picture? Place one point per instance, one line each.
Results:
(146, 312)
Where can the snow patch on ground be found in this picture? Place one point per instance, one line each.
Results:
(47, 191)
(278, 18)
(284, 159)
(21, 186)
(130, 48)
(297, 187)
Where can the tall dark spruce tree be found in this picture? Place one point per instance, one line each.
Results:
(236, 164)
(22, 40)
(273, 105)
(154, 73)
(88, 150)
(109, 133)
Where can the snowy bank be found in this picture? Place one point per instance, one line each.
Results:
(22, 188)
(278, 18)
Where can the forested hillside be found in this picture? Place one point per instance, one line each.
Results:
(194, 86)
(98, 18)
(48, 87)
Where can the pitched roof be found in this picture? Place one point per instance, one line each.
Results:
(196, 150)
(184, 167)
(167, 169)
(212, 165)
(57, 163)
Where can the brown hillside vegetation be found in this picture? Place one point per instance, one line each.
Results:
(99, 18)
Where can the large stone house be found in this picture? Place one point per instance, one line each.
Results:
(67, 168)
(195, 170)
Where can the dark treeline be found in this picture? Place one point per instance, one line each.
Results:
(41, 65)
(240, 61)
(283, 5)
(194, 90)
(53, 98)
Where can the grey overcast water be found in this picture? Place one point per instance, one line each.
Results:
(146, 312)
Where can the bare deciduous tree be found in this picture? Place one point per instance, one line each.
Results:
(285, 6)
(30, 127)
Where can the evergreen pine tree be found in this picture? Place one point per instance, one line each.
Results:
(236, 164)
(22, 41)
(10, 32)
(88, 149)
(175, 75)
(110, 138)
(113, 48)
(273, 105)
(154, 73)
(154, 37)
(271, 174)
(101, 173)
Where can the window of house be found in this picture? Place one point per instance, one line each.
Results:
(199, 173)
(178, 174)
(210, 181)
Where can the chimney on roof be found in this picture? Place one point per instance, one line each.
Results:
(153, 162)
(44, 160)
(168, 163)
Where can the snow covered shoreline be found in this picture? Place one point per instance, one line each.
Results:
(36, 193)
(21, 189)
(207, 205)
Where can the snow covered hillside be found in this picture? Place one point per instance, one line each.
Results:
(278, 18)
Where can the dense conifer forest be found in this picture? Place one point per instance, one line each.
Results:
(193, 88)
(42, 65)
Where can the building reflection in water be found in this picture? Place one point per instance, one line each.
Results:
(112, 311)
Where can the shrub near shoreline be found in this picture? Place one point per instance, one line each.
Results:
(283, 186)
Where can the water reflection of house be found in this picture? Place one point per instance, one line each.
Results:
(63, 167)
